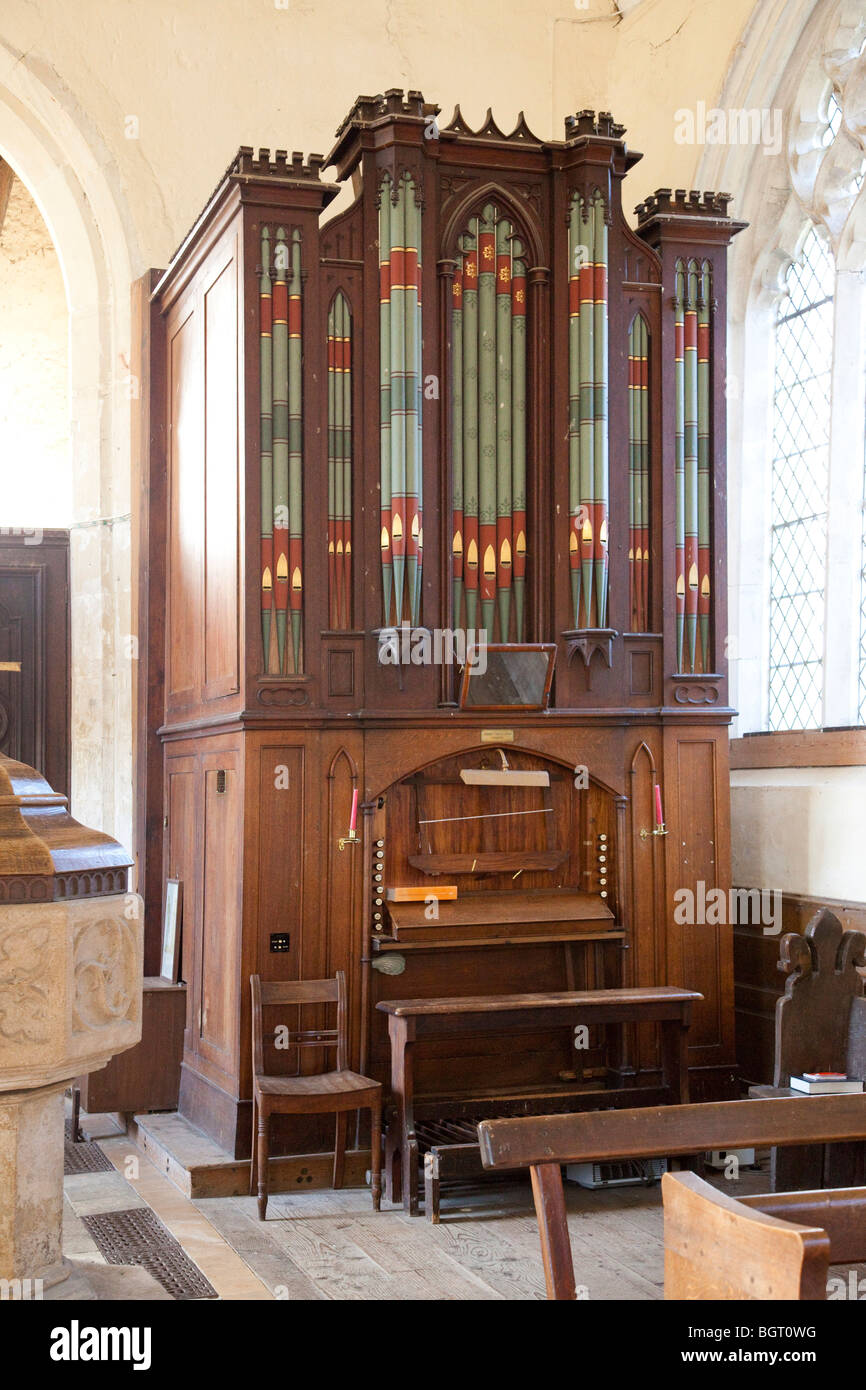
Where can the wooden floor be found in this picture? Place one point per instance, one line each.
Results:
(321, 1244)
(325, 1244)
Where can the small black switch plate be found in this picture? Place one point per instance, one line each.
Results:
(280, 941)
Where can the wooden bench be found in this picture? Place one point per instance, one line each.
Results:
(820, 1024)
(778, 1245)
(542, 1144)
(445, 1129)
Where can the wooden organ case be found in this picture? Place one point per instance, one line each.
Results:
(474, 399)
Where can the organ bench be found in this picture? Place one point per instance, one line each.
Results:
(444, 1128)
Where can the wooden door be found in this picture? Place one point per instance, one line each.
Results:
(34, 652)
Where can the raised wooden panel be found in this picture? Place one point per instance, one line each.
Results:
(341, 673)
(185, 516)
(221, 573)
(282, 796)
(696, 831)
(344, 908)
(22, 701)
(645, 960)
(220, 916)
(34, 651)
(180, 863)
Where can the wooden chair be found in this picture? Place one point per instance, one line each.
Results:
(338, 1091)
(820, 1025)
(543, 1143)
(720, 1247)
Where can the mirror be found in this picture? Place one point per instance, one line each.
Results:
(514, 676)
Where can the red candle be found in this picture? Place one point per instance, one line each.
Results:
(353, 818)
(660, 820)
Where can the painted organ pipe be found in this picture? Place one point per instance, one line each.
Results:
(588, 416)
(488, 413)
(280, 359)
(693, 290)
(401, 517)
(639, 516)
(340, 463)
(266, 444)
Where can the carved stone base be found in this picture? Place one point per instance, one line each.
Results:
(70, 998)
(70, 987)
(31, 1185)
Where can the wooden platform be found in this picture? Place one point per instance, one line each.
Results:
(200, 1168)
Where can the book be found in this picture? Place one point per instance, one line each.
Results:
(825, 1083)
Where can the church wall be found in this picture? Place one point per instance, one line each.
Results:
(170, 99)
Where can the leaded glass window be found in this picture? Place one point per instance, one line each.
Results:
(834, 120)
(801, 446)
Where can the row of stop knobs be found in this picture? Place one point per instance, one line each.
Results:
(378, 884)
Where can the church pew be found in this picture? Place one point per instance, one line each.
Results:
(721, 1247)
(543, 1143)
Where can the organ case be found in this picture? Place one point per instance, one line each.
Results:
(475, 398)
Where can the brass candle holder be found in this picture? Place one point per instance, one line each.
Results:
(659, 830)
(353, 838)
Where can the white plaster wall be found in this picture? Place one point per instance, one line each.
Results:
(800, 830)
(174, 86)
(34, 386)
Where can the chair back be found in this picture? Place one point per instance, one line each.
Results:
(267, 994)
(716, 1248)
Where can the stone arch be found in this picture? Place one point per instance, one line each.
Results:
(45, 137)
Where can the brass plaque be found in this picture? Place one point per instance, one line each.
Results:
(10, 665)
(497, 735)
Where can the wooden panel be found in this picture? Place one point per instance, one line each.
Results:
(22, 666)
(704, 950)
(343, 947)
(645, 959)
(281, 855)
(148, 460)
(801, 748)
(759, 983)
(181, 864)
(185, 517)
(221, 577)
(34, 650)
(220, 917)
(145, 1077)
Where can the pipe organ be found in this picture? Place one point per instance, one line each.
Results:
(473, 407)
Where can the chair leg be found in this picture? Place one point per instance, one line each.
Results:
(253, 1149)
(431, 1187)
(340, 1148)
(376, 1153)
(77, 1136)
(262, 1161)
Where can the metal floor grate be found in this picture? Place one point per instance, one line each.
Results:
(83, 1157)
(137, 1237)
